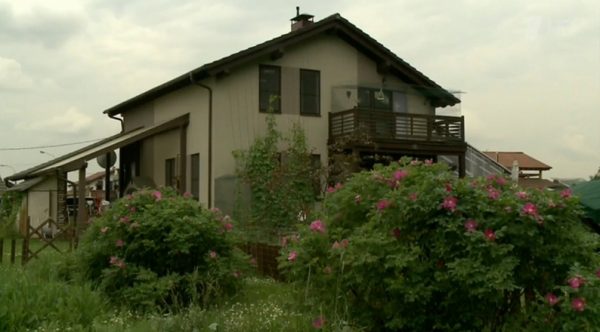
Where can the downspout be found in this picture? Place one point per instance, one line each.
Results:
(118, 119)
(210, 111)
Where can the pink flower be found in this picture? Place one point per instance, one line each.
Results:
(500, 180)
(551, 299)
(448, 187)
(471, 225)
(213, 254)
(400, 174)
(115, 261)
(413, 197)
(215, 210)
(489, 234)
(132, 209)
(357, 199)
(103, 230)
(228, 226)
(522, 195)
(236, 274)
(450, 203)
(428, 162)
(124, 220)
(317, 226)
(340, 245)
(157, 195)
(493, 194)
(253, 261)
(530, 209)
(187, 194)
(383, 204)
(414, 162)
(578, 304)
(119, 243)
(319, 322)
(292, 256)
(576, 282)
(396, 232)
(567, 193)
(335, 188)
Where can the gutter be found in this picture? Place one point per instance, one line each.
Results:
(210, 136)
(114, 117)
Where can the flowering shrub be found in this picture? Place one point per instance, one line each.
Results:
(410, 247)
(156, 248)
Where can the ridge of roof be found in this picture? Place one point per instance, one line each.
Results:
(334, 21)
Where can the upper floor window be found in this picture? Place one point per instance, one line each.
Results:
(269, 88)
(310, 92)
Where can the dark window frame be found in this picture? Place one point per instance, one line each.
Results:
(195, 175)
(276, 105)
(303, 93)
(170, 180)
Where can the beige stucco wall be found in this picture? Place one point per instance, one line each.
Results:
(41, 201)
(236, 118)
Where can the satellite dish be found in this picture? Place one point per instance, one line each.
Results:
(107, 163)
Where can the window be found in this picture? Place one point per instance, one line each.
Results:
(269, 88)
(310, 92)
(195, 178)
(375, 99)
(170, 180)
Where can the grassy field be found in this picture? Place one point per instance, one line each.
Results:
(35, 298)
(34, 245)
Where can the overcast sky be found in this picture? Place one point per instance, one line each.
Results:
(529, 70)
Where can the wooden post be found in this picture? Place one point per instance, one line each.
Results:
(13, 245)
(81, 203)
(25, 252)
(461, 165)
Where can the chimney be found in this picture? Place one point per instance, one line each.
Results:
(301, 20)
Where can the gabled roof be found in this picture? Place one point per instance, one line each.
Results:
(334, 24)
(526, 162)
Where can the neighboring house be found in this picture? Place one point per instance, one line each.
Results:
(95, 185)
(530, 169)
(329, 76)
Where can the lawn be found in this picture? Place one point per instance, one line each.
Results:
(34, 245)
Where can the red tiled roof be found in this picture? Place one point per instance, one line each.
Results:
(526, 162)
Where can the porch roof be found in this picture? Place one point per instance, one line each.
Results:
(76, 159)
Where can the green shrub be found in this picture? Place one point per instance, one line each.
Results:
(155, 248)
(410, 247)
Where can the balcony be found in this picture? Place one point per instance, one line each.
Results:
(398, 131)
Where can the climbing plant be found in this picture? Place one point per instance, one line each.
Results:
(279, 172)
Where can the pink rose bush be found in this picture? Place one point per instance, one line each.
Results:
(481, 254)
(143, 251)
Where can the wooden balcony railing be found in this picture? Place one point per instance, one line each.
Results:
(391, 126)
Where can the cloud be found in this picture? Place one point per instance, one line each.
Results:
(71, 121)
(43, 25)
(12, 76)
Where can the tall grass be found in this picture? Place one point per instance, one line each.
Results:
(34, 296)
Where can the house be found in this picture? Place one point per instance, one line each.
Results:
(329, 76)
(529, 169)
